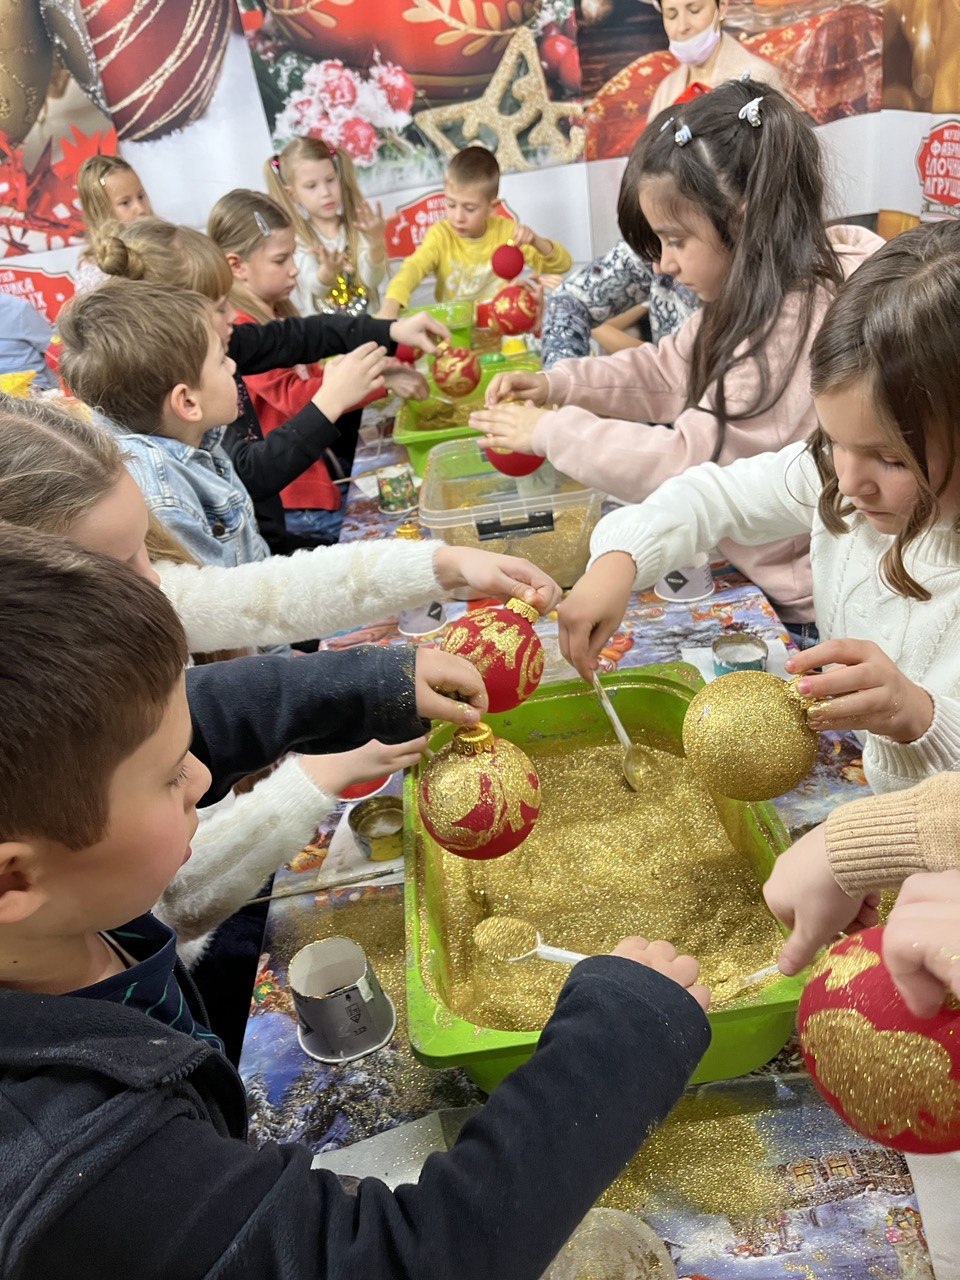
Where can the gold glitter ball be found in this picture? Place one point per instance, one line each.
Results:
(746, 735)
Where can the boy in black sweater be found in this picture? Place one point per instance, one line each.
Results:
(119, 1117)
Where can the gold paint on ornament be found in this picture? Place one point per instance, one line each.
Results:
(841, 967)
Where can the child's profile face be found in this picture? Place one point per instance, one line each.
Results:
(116, 526)
(468, 209)
(316, 186)
(152, 799)
(128, 200)
(871, 473)
(224, 314)
(690, 249)
(270, 272)
(217, 392)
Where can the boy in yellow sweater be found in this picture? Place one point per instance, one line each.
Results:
(457, 250)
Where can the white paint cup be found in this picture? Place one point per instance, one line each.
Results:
(692, 582)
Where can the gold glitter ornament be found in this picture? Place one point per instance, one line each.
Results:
(345, 298)
(480, 796)
(746, 735)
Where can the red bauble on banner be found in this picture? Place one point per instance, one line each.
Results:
(514, 310)
(480, 795)
(456, 371)
(502, 644)
(449, 49)
(889, 1075)
(507, 261)
(158, 64)
(511, 463)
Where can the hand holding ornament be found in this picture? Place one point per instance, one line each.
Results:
(594, 610)
(531, 387)
(448, 688)
(662, 956)
(349, 378)
(865, 690)
(334, 773)
(921, 942)
(490, 574)
(405, 381)
(508, 426)
(419, 330)
(803, 894)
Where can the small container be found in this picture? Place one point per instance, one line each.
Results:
(342, 1011)
(377, 828)
(425, 619)
(398, 493)
(360, 790)
(692, 582)
(739, 651)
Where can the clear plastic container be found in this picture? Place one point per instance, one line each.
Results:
(545, 517)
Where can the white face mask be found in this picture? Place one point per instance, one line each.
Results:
(695, 51)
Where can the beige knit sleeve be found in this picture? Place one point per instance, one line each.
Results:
(878, 841)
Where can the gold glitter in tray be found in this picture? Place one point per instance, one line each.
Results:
(603, 863)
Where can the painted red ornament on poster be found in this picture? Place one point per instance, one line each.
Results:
(889, 1075)
(507, 261)
(158, 63)
(514, 310)
(502, 644)
(479, 797)
(456, 371)
(511, 463)
(449, 48)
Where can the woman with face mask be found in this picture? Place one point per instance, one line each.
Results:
(707, 55)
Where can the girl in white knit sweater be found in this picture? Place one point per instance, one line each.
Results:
(878, 491)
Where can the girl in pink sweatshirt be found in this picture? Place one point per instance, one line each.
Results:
(730, 201)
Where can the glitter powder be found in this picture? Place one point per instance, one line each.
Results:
(842, 967)
(504, 937)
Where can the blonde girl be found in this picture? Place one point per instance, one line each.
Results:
(337, 232)
(109, 189)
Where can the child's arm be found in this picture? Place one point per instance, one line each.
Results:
(921, 941)
(372, 226)
(281, 344)
(542, 256)
(611, 1063)
(284, 599)
(605, 287)
(423, 262)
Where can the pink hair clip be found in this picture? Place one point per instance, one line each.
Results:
(275, 164)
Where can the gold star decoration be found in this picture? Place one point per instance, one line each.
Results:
(529, 88)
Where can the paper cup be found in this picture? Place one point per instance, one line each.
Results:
(377, 828)
(692, 582)
(397, 490)
(423, 621)
(342, 1011)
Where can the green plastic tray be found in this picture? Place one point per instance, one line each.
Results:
(652, 701)
(457, 316)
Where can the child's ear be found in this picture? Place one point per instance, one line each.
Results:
(183, 403)
(237, 265)
(21, 885)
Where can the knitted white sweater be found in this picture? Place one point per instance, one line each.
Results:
(775, 495)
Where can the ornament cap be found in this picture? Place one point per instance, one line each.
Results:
(474, 740)
(523, 609)
(409, 531)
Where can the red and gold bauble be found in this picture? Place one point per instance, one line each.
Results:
(507, 261)
(889, 1075)
(501, 643)
(158, 63)
(456, 371)
(480, 795)
(449, 49)
(514, 310)
(512, 463)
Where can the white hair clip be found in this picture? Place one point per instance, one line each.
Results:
(683, 136)
(666, 124)
(261, 222)
(750, 112)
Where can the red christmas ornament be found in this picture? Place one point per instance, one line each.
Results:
(889, 1075)
(553, 50)
(449, 50)
(507, 261)
(480, 795)
(514, 310)
(406, 354)
(457, 371)
(570, 77)
(158, 64)
(501, 643)
(512, 463)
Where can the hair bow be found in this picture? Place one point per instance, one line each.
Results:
(750, 112)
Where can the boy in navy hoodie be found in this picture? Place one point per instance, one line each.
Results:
(121, 1123)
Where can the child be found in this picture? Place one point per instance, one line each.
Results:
(877, 491)
(182, 258)
(734, 380)
(111, 1080)
(24, 338)
(257, 238)
(457, 250)
(338, 233)
(109, 189)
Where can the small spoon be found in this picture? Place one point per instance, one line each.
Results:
(749, 981)
(498, 936)
(634, 763)
(542, 952)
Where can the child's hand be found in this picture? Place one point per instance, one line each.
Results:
(594, 609)
(491, 574)
(331, 263)
(866, 690)
(420, 330)
(371, 223)
(334, 773)
(521, 235)
(440, 675)
(549, 282)
(803, 895)
(531, 387)
(406, 382)
(348, 379)
(508, 426)
(663, 957)
(921, 942)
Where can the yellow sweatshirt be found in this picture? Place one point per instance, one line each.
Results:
(462, 267)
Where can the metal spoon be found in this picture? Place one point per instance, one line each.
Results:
(635, 762)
